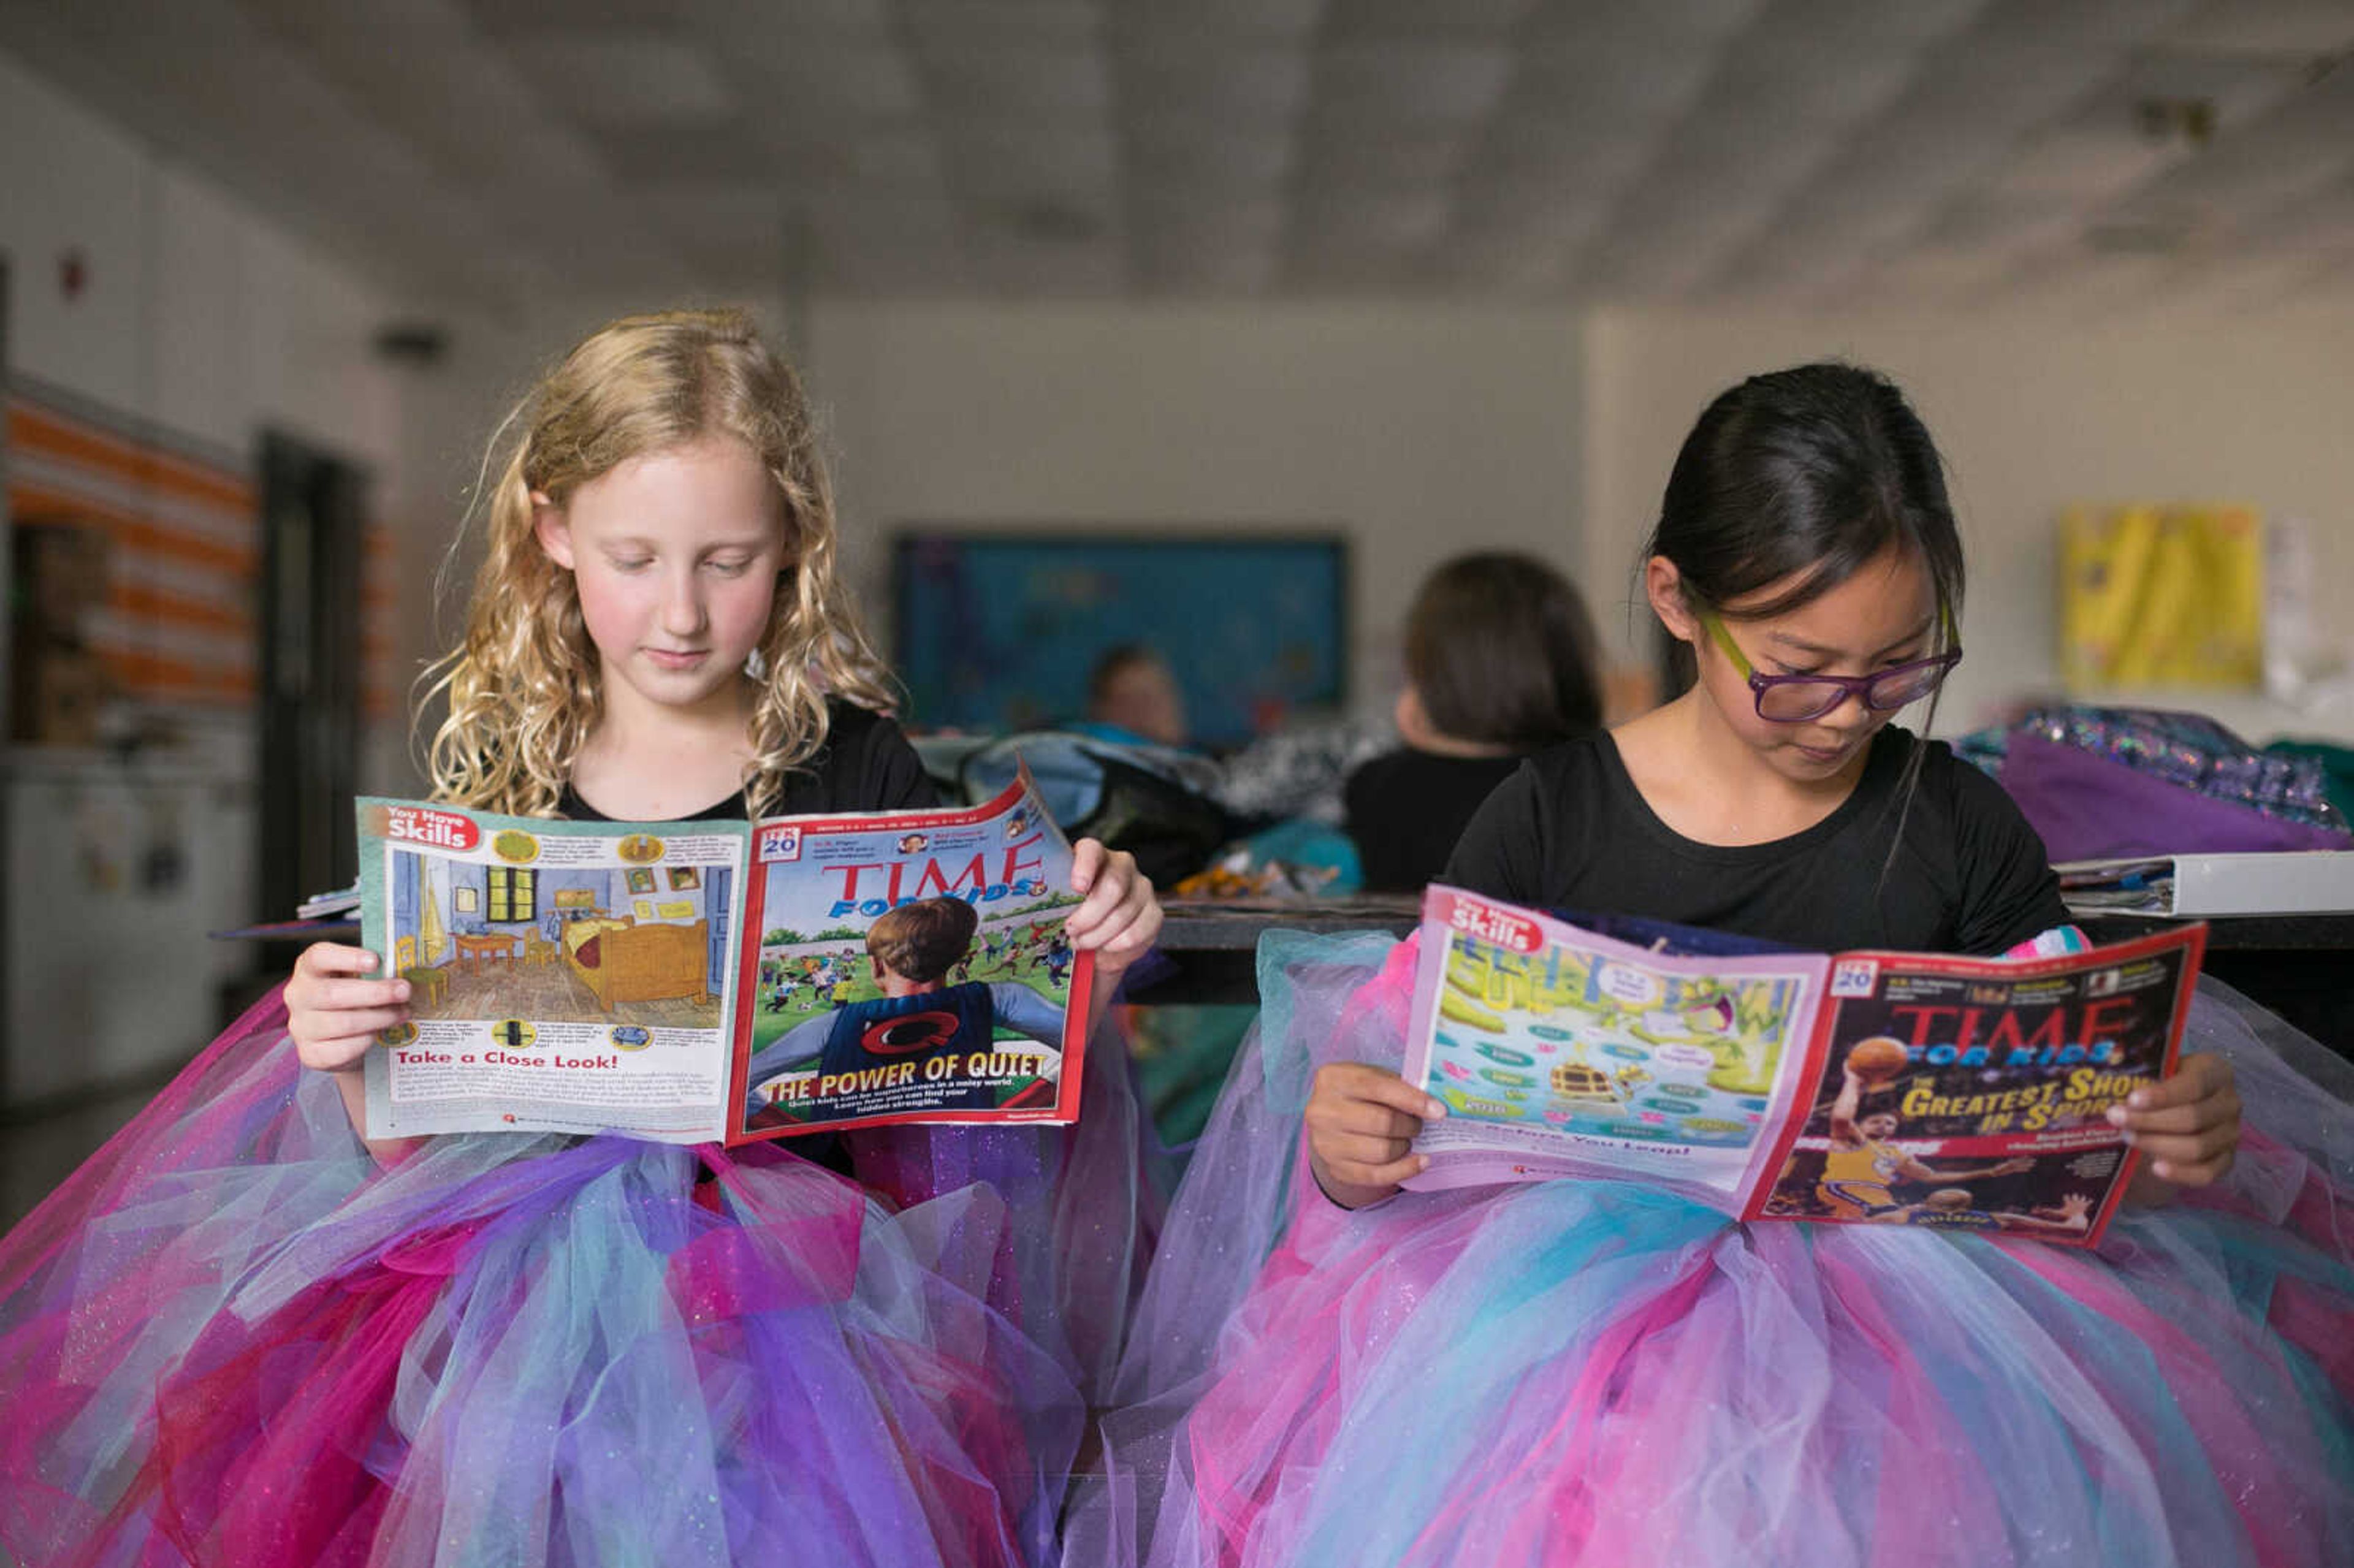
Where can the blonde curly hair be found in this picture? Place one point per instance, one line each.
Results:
(524, 687)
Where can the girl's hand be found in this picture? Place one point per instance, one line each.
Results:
(1119, 917)
(2187, 1126)
(333, 1019)
(1362, 1121)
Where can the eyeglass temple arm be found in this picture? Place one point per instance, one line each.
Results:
(1724, 641)
(1952, 638)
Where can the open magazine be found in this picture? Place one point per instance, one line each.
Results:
(1868, 1088)
(724, 980)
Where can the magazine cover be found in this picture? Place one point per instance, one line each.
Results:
(693, 981)
(1974, 1094)
(915, 969)
(1950, 1093)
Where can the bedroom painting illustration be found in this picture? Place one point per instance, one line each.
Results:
(516, 938)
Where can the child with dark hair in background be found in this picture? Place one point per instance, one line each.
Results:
(1499, 662)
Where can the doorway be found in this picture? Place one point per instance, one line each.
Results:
(314, 514)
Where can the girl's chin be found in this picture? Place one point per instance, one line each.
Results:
(1816, 761)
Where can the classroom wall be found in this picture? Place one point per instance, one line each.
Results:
(2034, 411)
(198, 316)
(1421, 431)
(195, 313)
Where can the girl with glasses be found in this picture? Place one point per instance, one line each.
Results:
(1807, 553)
(1584, 1371)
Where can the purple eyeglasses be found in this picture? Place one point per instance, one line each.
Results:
(1793, 699)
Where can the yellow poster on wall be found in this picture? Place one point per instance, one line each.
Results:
(2162, 596)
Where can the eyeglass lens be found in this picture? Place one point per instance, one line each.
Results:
(1812, 699)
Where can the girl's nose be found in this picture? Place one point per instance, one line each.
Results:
(682, 606)
(1852, 713)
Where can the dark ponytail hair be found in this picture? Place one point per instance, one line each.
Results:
(1501, 650)
(1807, 474)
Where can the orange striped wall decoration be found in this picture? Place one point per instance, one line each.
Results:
(177, 624)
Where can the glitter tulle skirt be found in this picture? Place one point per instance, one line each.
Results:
(1596, 1372)
(232, 1339)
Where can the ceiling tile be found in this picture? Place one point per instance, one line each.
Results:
(1803, 151)
(1266, 84)
(2276, 27)
(1349, 18)
(624, 78)
(1435, 80)
(1193, 152)
(1067, 82)
(1231, 18)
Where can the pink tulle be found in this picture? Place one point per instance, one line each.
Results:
(1599, 1372)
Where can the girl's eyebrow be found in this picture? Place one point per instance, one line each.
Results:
(1800, 645)
(711, 546)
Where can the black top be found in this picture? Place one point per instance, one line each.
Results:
(865, 765)
(1570, 830)
(1406, 808)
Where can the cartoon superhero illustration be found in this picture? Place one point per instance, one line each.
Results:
(918, 1017)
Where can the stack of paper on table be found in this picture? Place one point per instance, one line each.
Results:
(2294, 882)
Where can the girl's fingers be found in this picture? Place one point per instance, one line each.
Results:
(1373, 1120)
(2220, 1108)
(365, 1025)
(2192, 1148)
(1389, 1090)
(2195, 1077)
(1107, 890)
(1387, 1174)
(335, 959)
(1363, 1148)
(342, 1050)
(1131, 926)
(1116, 893)
(347, 996)
(2197, 1174)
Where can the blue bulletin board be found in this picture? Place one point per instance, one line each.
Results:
(996, 631)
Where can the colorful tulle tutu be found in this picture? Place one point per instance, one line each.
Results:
(232, 1339)
(1596, 1372)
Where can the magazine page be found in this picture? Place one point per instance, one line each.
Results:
(1967, 1094)
(1562, 1053)
(566, 976)
(910, 967)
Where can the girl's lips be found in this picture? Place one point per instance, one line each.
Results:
(677, 659)
(1823, 753)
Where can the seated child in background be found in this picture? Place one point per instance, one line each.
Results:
(1132, 695)
(1499, 662)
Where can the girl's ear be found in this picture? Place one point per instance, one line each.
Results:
(1664, 587)
(553, 533)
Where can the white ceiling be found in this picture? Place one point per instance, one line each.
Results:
(1813, 152)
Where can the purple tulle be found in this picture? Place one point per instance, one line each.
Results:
(232, 1338)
